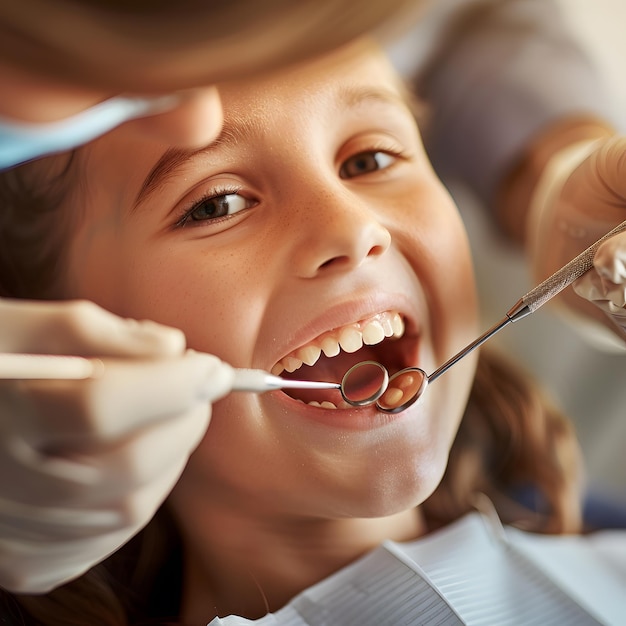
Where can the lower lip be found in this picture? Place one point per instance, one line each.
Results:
(356, 419)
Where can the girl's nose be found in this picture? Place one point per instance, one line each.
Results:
(339, 237)
(194, 122)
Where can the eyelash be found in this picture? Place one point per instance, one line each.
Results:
(387, 146)
(392, 155)
(213, 194)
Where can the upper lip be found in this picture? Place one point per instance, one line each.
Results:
(346, 313)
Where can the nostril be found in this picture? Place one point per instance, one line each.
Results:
(338, 260)
(345, 260)
(378, 250)
(343, 247)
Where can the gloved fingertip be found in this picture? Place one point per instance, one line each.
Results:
(151, 338)
(215, 377)
(610, 259)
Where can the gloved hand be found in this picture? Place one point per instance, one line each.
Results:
(580, 197)
(84, 464)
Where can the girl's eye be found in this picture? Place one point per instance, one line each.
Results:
(215, 207)
(364, 163)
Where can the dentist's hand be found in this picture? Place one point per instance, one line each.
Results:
(606, 286)
(580, 197)
(84, 464)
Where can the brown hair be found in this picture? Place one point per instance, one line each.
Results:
(139, 46)
(32, 226)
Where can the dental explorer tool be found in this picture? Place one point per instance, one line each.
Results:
(411, 382)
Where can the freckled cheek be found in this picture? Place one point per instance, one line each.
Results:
(428, 218)
(434, 240)
(216, 305)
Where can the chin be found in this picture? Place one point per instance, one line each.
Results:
(392, 489)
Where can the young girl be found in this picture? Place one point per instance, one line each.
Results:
(311, 235)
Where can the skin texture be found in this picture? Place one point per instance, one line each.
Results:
(336, 216)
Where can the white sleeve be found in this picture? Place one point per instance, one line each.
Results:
(493, 73)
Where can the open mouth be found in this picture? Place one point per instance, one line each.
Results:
(328, 357)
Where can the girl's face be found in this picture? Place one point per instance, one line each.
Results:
(313, 222)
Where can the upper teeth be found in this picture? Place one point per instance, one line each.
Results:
(347, 338)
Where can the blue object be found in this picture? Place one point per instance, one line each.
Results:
(24, 141)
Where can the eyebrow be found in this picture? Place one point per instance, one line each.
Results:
(353, 97)
(403, 97)
(238, 129)
(163, 170)
(173, 159)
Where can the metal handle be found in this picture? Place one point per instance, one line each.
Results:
(562, 278)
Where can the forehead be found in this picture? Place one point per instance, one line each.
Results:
(346, 77)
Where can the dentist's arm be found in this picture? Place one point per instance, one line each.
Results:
(84, 464)
(568, 190)
(512, 96)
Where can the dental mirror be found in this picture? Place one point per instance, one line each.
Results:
(406, 386)
(361, 385)
(364, 383)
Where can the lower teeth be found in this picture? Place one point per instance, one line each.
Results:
(330, 405)
(322, 405)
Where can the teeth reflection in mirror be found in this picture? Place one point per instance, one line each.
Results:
(405, 387)
(392, 397)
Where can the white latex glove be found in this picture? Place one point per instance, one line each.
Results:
(606, 287)
(84, 464)
(580, 197)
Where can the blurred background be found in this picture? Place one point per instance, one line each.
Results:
(589, 385)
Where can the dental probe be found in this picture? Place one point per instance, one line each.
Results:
(355, 390)
(60, 367)
(260, 380)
